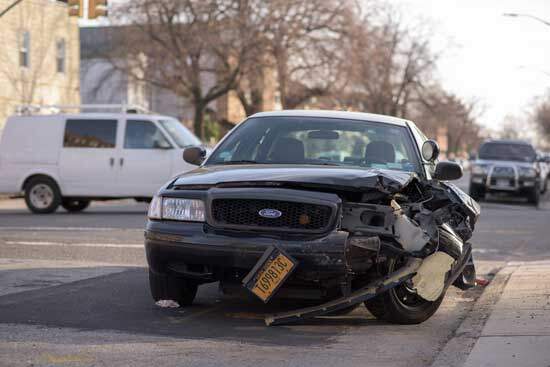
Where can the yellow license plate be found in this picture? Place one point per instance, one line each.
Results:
(269, 274)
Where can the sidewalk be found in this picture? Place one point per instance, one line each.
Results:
(518, 331)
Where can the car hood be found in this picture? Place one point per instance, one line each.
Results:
(491, 162)
(328, 176)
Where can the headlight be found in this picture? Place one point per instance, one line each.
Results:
(479, 169)
(183, 209)
(176, 209)
(527, 172)
(155, 208)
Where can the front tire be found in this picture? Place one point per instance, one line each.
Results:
(164, 286)
(42, 195)
(401, 305)
(533, 197)
(74, 205)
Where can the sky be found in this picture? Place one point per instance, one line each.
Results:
(503, 62)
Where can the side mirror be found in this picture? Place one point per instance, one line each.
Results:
(447, 171)
(430, 150)
(194, 155)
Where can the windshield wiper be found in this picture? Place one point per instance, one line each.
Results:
(240, 161)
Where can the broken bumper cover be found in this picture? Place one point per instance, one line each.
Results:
(371, 290)
(168, 243)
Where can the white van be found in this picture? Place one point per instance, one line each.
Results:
(70, 159)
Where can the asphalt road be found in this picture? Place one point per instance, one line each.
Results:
(74, 291)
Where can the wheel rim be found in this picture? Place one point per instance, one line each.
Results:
(41, 196)
(404, 294)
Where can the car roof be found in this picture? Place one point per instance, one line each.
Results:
(371, 117)
(507, 141)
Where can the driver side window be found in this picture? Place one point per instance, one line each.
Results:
(142, 134)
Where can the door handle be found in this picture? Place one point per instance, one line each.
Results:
(121, 161)
(111, 161)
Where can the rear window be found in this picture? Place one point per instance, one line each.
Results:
(90, 134)
(507, 152)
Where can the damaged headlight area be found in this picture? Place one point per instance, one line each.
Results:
(408, 245)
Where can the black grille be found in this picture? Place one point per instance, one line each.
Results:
(294, 215)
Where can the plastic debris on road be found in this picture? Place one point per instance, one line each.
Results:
(167, 303)
(482, 282)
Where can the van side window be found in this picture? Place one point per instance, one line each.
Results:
(90, 134)
(144, 135)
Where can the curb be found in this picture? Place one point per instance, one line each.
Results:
(457, 349)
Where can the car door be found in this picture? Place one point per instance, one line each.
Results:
(145, 163)
(87, 157)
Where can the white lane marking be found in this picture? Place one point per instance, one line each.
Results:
(40, 243)
(485, 250)
(67, 229)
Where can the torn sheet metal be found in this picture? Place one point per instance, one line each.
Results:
(429, 280)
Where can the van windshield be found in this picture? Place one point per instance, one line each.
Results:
(179, 133)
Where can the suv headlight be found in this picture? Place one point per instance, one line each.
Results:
(191, 210)
(527, 172)
(478, 169)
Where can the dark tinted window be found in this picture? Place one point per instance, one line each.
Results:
(90, 133)
(318, 141)
(507, 152)
(144, 135)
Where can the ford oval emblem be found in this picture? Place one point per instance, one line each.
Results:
(270, 213)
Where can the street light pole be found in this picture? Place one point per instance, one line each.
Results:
(9, 7)
(517, 15)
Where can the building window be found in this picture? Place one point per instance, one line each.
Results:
(60, 55)
(24, 49)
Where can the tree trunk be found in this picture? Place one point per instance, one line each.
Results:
(198, 120)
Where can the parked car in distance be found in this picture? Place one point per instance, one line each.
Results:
(508, 167)
(71, 159)
(331, 193)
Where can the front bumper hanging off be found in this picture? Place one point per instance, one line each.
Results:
(371, 290)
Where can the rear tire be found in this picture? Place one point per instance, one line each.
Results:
(42, 195)
(164, 286)
(74, 205)
(400, 305)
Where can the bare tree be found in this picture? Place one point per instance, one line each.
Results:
(194, 48)
(542, 116)
(390, 65)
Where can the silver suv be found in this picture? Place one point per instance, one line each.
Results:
(507, 166)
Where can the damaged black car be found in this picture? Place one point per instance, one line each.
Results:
(340, 208)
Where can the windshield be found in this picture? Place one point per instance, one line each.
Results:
(318, 141)
(507, 152)
(179, 133)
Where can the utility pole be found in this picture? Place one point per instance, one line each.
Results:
(9, 7)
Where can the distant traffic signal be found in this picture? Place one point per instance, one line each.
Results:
(76, 7)
(97, 8)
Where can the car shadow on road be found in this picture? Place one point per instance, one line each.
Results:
(121, 302)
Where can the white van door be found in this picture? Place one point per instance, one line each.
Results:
(146, 158)
(88, 156)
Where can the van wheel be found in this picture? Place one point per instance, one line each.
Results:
(42, 195)
(74, 205)
(164, 286)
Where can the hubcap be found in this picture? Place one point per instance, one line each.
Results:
(41, 196)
